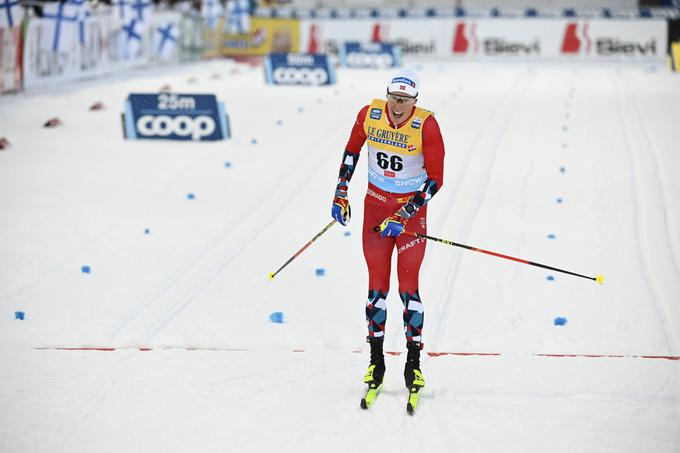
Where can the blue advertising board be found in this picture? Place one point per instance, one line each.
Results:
(369, 55)
(175, 116)
(299, 69)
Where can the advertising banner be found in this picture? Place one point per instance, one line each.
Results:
(264, 37)
(73, 40)
(624, 40)
(520, 39)
(212, 38)
(10, 59)
(72, 44)
(369, 55)
(299, 69)
(174, 116)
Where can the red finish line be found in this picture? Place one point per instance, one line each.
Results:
(394, 353)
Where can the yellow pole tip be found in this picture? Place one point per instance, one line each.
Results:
(600, 279)
(270, 276)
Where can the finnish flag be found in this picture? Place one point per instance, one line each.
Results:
(167, 41)
(211, 10)
(11, 13)
(64, 20)
(238, 17)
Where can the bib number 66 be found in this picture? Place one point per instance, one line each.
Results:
(394, 163)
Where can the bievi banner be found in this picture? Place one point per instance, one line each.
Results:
(175, 116)
(510, 39)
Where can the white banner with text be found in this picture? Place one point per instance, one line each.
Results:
(531, 39)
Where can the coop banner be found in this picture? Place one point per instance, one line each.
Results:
(377, 55)
(299, 69)
(174, 116)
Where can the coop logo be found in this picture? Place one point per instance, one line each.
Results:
(298, 69)
(182, 126)
(300, 76)
(466, 42)
(577, 41)
(369, 55)
(172, 116)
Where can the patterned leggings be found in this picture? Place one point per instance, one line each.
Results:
(378, 255)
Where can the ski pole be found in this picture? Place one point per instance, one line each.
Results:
(599, 279)
(326, 228)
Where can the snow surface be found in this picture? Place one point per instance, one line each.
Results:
(574, 167)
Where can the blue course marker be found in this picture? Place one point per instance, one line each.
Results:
(147, 231)
(560, 200)
(227, 164)
(19, 315)
(191, 196)
(347, 233)
(85, 269)
(550, 278)
(254, 141)
(320, 272)
(276, 317)
(563, 169)
(551, 236)
(559, 321)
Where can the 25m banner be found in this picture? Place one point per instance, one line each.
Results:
(174, 116)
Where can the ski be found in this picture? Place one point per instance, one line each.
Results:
(413, 395)
(370, 396)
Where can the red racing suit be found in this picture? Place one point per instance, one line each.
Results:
(406, 168)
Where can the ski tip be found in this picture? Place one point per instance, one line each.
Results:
(270, 276)
(363, 403)
(409, 408)
(600, 279)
